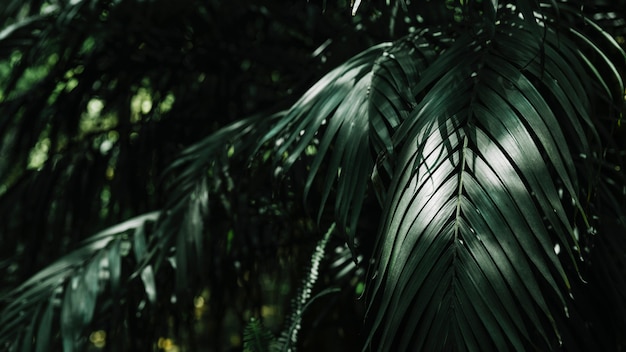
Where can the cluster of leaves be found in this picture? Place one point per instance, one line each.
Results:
(98, 98)
(475, 163)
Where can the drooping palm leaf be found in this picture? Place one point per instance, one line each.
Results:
(339, 100)
(474, 212)
(67, 293)
(201, 167)
(70, 292)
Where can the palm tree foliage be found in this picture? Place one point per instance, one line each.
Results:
(472, 169)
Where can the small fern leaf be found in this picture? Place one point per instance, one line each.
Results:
(288, 338)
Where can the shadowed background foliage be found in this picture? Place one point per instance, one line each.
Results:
(98, 97)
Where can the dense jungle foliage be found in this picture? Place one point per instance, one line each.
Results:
(419, 175)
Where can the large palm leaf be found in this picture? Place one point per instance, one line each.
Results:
(476, 216)
(484, 136)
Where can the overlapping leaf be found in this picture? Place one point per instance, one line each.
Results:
(474, 210)
(183, 229)
(70, 291)
(394, 72)
(340, 101)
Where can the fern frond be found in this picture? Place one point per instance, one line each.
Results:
(289, 337)
(256, 337)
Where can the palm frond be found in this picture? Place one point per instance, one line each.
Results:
(176, 239)
(391, 97)
(338, 100)
(200, 169)
(69, 293)
(475, 211)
